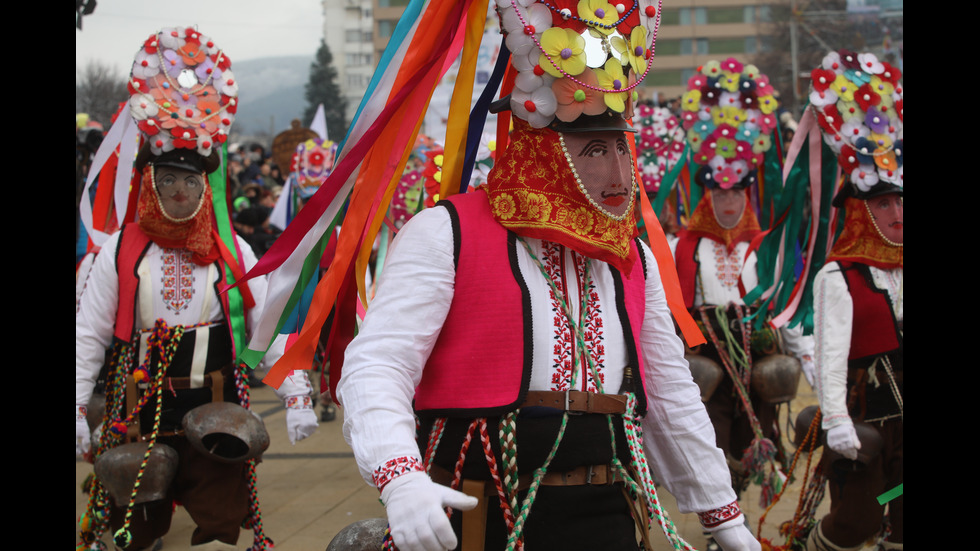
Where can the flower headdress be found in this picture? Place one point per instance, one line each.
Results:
(659, 144)
(312, 163)
(183, 93)
(577, 57)
(729, 113)
(857, 100)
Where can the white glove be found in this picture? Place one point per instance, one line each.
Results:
(300, 418)
(809, 369)
(417, 515)
(735, 536)
(83, 436)
(843, 439)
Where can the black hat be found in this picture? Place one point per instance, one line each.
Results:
(185, 159)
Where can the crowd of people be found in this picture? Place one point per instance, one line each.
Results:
(620, 354)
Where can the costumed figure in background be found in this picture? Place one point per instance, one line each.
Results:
(729, 114)
(858, 304)
(157, 305)
(659, 146)
(545, 413)
(310, 164)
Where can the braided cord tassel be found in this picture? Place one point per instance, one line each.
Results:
(95, 521)
(260, 541)
(508, 454)
(515, 536)
(804, 518)
(505, 505)
(435, 437)
(160, 340)
(576, 328)
(761, 452)
(647, 488)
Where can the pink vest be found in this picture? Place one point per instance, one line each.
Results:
(481, 363)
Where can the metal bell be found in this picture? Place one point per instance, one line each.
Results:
(363, 535)
(118, 468)
(226, 432)
(707, 374)
(775, 378)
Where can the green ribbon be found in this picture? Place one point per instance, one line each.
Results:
(222, 216)
(890, 494)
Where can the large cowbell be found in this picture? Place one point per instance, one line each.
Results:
(226, 432)
(119, 467)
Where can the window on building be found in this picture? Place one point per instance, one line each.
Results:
(670, 17)
(765, 14)
(385, 28)
(695, 46)
(687, 74)
(670, 77)
(727, 45)
(693, 16)
(352, 35)
(668, 47)
(751, 44)
(725, 15)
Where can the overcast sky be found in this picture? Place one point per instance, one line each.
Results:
(244, 29)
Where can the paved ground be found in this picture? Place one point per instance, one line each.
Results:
(310, 491)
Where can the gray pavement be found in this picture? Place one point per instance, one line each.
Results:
(310, 491)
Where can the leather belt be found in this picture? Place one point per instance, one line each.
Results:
(577, 401)
(596, 475)
(212, 379)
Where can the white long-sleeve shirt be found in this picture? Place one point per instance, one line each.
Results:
(719, 274)
(384, 363)
(833, 312)
(171, 287)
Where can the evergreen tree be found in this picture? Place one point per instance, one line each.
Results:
(323, 89)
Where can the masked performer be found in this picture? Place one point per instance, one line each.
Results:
(156, 305)
(858, 298)
(527, 328)
(729, 113)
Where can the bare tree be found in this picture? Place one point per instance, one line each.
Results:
(812, 28)
(99, 89)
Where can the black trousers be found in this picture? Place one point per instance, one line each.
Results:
(585, 517)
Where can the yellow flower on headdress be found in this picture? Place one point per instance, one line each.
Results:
(882, 87)
(564, 48)
(883, 141)
(598, 11)
(767, 104)
(729, 81)
(635, 51)
(611, 77)
(691, 100)
(727, 115)
(845, 88)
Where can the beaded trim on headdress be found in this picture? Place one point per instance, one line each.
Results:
(858, 101)
(729, 112)
(183, 93)
(659, 145)
(548, 45)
